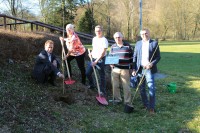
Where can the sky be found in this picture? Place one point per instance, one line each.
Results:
(32, 5)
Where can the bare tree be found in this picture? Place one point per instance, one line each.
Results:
(129, 13)
(102, 14)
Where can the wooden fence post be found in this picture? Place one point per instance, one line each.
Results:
(15, 27)
(4, 22)
(36, 27)
(31, 26)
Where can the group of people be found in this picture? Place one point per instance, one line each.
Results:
(140, 61)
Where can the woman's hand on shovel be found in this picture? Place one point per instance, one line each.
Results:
(65, 56)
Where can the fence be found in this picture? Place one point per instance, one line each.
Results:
(36, 24)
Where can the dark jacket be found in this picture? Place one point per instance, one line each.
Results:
(43, 67)
(137, 56)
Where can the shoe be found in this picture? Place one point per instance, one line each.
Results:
(91, 87)
(44, 84)
(145, 108)
(152, 111)
(83, 83)
(116, 102)
(52, 83)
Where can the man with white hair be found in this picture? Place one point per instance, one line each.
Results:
(75, 50)
(146, 56)
(120, 71)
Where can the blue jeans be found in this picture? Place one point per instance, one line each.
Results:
(149, 80)
(101, 72)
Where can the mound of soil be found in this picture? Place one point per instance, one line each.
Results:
(80, 95)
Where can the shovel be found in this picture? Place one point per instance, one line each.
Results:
(99, 98)
(142, 78)
(68, 81)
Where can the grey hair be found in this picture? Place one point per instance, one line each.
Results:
(70, 26)
(144, 29)
(100, 27)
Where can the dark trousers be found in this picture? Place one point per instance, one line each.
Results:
(81, 65)
(50, 72)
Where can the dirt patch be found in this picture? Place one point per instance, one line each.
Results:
(76, 95)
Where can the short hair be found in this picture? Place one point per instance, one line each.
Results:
(100, 27)
(48, 42)
(70, 26)
(118, 34)
(144, 29)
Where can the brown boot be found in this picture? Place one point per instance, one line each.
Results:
(152, 111)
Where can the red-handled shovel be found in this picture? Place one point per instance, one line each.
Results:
(69, 80)
(99, 98)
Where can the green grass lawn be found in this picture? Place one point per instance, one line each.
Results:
(179, 112)
(28, 107)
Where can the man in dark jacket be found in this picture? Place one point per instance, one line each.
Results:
(146, 56)
(46, 66)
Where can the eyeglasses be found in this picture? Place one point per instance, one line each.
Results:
(98, 31)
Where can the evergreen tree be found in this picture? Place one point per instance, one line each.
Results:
(87, 22)
(52, 11)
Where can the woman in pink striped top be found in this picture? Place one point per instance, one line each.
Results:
(76, 50)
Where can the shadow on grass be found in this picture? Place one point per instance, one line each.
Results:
(174, 43)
